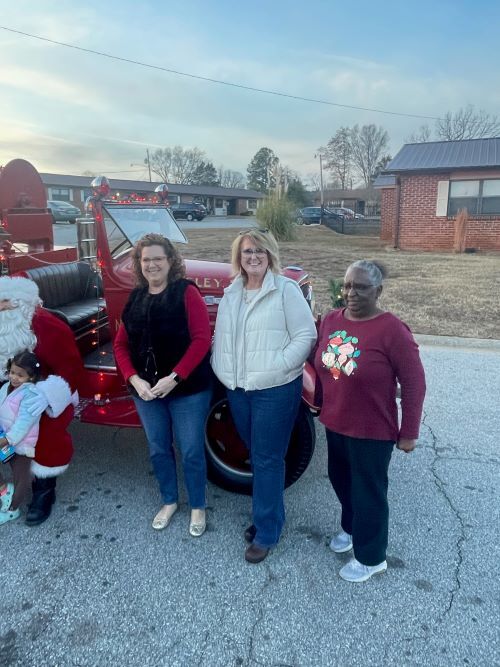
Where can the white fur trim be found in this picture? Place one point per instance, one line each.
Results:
(46, 471)
(19, 289)
(57, 392)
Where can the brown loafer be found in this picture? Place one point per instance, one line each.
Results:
(250, 533)
(255, 554)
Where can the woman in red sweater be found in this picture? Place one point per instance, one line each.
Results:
(362, 353)
(162, 350)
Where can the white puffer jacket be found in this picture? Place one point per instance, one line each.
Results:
(279, 333)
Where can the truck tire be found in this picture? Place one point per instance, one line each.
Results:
(228, 462)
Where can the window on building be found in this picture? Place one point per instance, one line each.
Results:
(490, 199)
(252, 204)
(478, 197)
(60, 194)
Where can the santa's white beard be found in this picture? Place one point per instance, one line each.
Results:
(15, 336)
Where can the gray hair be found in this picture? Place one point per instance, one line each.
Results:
(376, 272)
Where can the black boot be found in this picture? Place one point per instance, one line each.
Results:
(44, 495)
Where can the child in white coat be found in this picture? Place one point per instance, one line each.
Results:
(18, 431)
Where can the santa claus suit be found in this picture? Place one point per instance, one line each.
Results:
(53, 343)
(58, 356)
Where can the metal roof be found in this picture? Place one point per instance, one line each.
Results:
(64, 180)
(439, 155)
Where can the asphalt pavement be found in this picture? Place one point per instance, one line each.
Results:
(95, 585)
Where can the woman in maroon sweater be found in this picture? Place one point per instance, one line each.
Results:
(362, 353)
(162, 350)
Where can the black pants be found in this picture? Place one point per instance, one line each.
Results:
(358, 471)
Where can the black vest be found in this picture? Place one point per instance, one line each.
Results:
(158, 336)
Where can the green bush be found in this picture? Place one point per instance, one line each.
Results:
(335, 285)
(277, 215)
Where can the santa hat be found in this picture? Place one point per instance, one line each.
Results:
(19, 289)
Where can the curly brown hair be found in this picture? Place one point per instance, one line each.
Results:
(177, 269)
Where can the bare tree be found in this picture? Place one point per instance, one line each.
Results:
(230, 179)
(380, 166)
(313, 180)
(467, 123)
(368, 144)
(422, 135)
(177, 165)
(339, 158)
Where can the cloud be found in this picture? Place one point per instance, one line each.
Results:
(73, 111)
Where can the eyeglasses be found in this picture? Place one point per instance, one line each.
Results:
(359, 288)
(253, 229)
(259, 252)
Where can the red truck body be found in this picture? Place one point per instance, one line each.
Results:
(105, 239)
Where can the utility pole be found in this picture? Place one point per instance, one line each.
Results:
(322, 201)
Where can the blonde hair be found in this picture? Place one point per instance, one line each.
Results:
(262, 239)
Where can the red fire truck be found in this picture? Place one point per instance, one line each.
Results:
(88, 286)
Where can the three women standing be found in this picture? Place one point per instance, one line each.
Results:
(362, 352)
(263, 334)
(162, 350)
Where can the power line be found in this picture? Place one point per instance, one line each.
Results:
(218, 81)
(125, 171)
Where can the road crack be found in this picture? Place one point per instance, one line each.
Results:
(461, 523)
(251, 659)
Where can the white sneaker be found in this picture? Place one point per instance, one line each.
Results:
(341, 542)
(357, 572)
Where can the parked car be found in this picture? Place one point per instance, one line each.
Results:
(189, 211)
(62, 211)
(348, 213)
(311, 215)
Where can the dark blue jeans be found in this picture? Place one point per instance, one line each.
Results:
(265, 419)
(185, 417)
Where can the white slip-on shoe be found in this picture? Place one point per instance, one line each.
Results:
(198, 523)
(357, 572)
(162, 519)
(341, 542)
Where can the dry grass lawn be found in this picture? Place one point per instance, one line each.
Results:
(435, 293)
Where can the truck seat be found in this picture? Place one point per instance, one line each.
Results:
(72, 292)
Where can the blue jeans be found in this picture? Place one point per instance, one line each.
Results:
(185, 417)
(265, 419)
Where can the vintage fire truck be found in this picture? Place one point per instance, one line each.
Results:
(88, 286)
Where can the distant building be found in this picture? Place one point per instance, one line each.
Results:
(425, 186)
(361, 200)
(220, 201)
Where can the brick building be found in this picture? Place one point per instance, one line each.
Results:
(425, 186)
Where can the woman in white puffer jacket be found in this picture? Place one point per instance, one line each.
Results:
(263, 334)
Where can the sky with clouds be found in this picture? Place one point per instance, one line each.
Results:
(68, 111)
